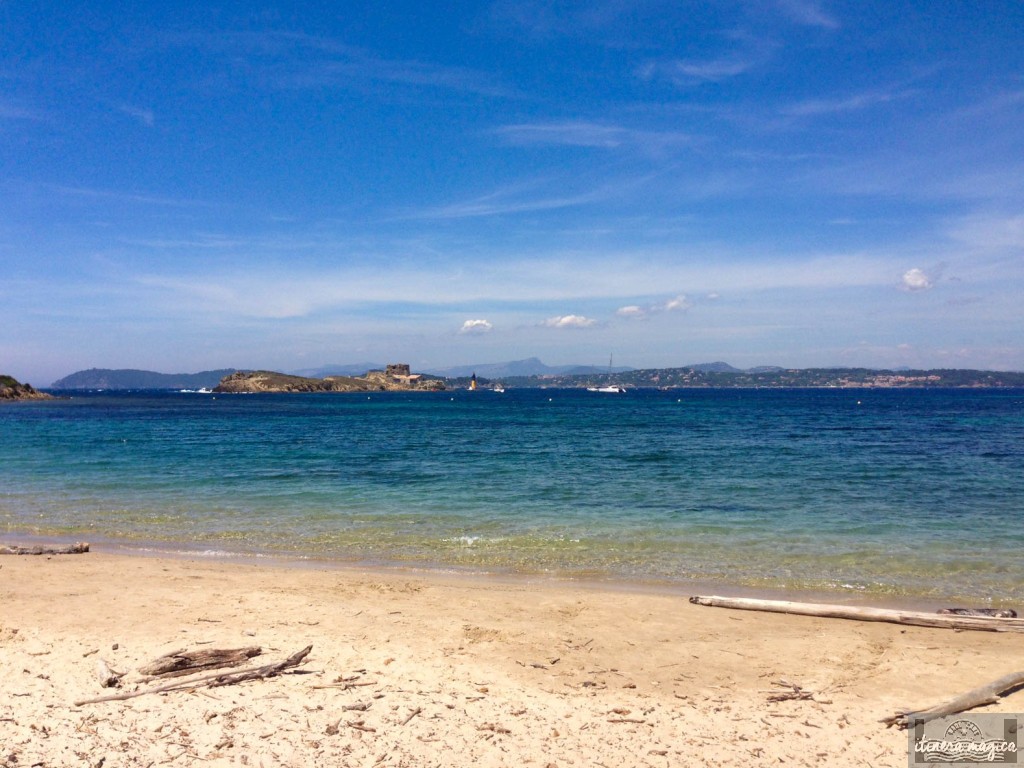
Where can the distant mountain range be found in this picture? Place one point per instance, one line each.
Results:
(127, 378)
(531, 372)
(528, 367)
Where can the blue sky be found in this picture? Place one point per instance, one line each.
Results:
(793, 182)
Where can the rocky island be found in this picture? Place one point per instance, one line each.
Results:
(12, 389)
(396, 378)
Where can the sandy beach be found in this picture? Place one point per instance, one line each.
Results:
(415, 670)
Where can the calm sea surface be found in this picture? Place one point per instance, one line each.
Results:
(906, 493)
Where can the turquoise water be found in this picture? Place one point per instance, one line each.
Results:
(899, 492)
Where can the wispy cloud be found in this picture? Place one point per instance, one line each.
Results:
(695, 71)
(144, 116)
(122, 196)
(283, 290)
(544, 20)
(741, 53)
(808, 13)
(509, 200)
(301, 61)
(579, 133)
(10, 111)
(853, 103)
(575, 134)
(990, 232)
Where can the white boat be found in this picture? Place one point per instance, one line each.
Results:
(611, 388)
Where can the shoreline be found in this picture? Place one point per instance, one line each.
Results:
(455, 575)
(501, 673)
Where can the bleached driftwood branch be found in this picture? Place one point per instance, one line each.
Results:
(73, 549)
(977, 697)
(824, 610)
(179, 663)
(213, 680)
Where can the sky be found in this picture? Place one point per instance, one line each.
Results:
(806, 183)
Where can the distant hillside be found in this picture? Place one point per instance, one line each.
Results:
(714, 375)
(718, 367)
(528, 367)
(127, 378)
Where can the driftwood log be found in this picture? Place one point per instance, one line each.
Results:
(73, 549)
(999, 613)
(915, 618)
(212, 680)
(108, 677)
(183, 662)
(977, 697)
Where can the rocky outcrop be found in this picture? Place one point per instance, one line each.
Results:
(374, 381)
(11, 389)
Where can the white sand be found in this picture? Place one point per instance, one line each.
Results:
(497, 673)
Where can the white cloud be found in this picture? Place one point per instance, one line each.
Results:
(679, 303)
(476, 327)
(916, 280)
(632, 312)
(569, 321)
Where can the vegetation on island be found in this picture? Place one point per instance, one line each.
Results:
(725, 377)
(12, 389)
(394, 378)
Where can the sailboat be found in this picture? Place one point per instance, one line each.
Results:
(611, 388)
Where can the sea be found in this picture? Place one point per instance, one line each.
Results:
(906, 495)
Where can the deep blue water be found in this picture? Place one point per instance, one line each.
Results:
(901, 492)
